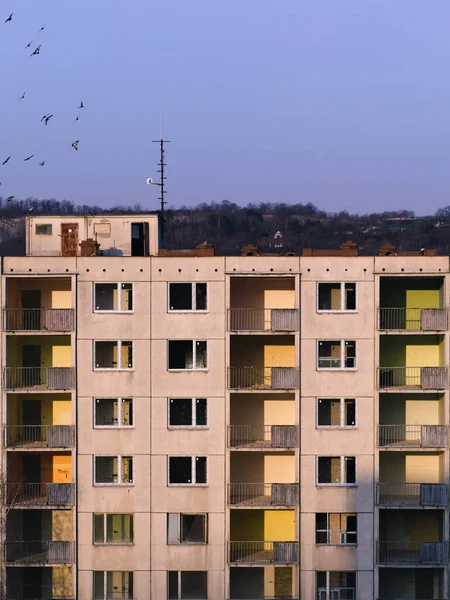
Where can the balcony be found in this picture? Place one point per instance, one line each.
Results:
(413, 436)
(37, 319)
(425, 378)
(412, 319)
(39, 553)
(263, 436)
(396, 583)
(263, 494)
(38, 495)
(263, 583)
(263, 553)
(263, 378)
(412, 494)
(265, 320)
(39, 582)
(37, 378)
(39, 436)
(413, 552)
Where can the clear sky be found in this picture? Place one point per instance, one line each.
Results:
(343, 103)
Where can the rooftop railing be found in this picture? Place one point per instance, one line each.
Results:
(263, 378)
(409, 552)
(413, 436)
(39, 552)
(263, 436)
(412, 319)
(51, 378)
(263, 494)
(263, 553)
(263, 319)
(40, 495)
(37, 319)
(425, 378)
(412, 494)
(40, 436)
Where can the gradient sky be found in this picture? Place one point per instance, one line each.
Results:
(343, 103)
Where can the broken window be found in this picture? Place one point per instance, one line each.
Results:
(186, 585)
(187, 528)
(113, 529)
(336, 297)
(333, 585)
(116, 297)
(113, 470)
(187, 354)
(187, 296)
(336, 470)
(336, 528)
(188, 412)
(113, 412)
(44, 229)
(113, 355)
(336, 412)
(113, 584)
(187, 470)
(336, 354)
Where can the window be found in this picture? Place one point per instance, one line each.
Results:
(187, 470)
(187, 528)
(336, 470)
(113, 355)
(184, 585)
(43, 230)
(113, 529)
(113, 297)
(336, 528)
(187, 296)
(188, 412)
(336, 297)
(336, 412)
(113, 470)
(113, 412)
(187, 354)
(336, 354)
(336, 585)
(113, 584)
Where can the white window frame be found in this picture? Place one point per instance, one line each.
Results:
(179, 579)
(327, 591)
(341, 413)
(194, 414)
(120, 400)
(343, 532)
(342, 471)
(119, 483)
(342, 355)
(119, 285)
(193, 285)
(340, 310)
(192, 483)
(194, 356)
(105, 583)
(179, 530)
(105, 529)
(119, 356)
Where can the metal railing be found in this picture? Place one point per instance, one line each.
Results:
(38, 319)
(52, 378)
(263, 378)
(263, 319)
(267, 598)
(40, 494)
(413, 436)
(426, 378)
(263, 494)
(44, 436)
(263, 553)
(412, 319)
(412, 494)
(428, 553)
(263, 436)
(39, 553)
(336, 593)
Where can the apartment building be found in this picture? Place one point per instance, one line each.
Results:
(188, 426)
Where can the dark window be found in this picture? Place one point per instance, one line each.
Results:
(336, 296)
(113, 412)
(188, 296)
(337, 470)
(336, 412)
(187, 354)
(172, 585)
(194, 585)
(350, 412)
(336, 528)
(336, 584)
(113, 355)
(186, 528)
(200, 296)
(114, 297)
(329, 354)
(350, 469)
(201, 412)
(43, 230)
(187, 412)
(119, 584)
(113, 529)
(350, 296)
(200, 469)
(187, 470)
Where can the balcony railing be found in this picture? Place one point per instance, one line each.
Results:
(412, 319)
(413, 436)
(37, 319)
(263, 553)
(51, 378)
(41, 436)
(263, 319)
(425, 378)
(263, 436)
(412, 494)
(39, 553)
(263, 494)
(337, 593)
(263, 378)
(40, 494)
(420, 553)
(267, 598)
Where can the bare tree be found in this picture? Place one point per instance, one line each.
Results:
(9, 495)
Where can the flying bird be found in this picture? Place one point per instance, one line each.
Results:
(75, 145)
(22, 97)
(81, 105)
(9, 18)
(36, 51)
(28, 45)
(42, 28)
(77, 119)
(9, 198)
(41, 164)
(5, 161)
(47, 118)
(28, 158)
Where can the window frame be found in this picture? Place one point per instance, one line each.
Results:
(193, 477)
(329, 589)
(179, 581)
(119, 296)
(341, 357)
(125, 592)
(341, 483)
(343, 532)
(194, 356)
(341, 413)
(194, 415)
(119, 483)
(342, 298)
(43, 225)
(105, 529)
(194, 309)
(120, 401)
(119, 356)
(179, 542)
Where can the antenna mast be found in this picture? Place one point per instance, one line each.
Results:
(162, 178)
